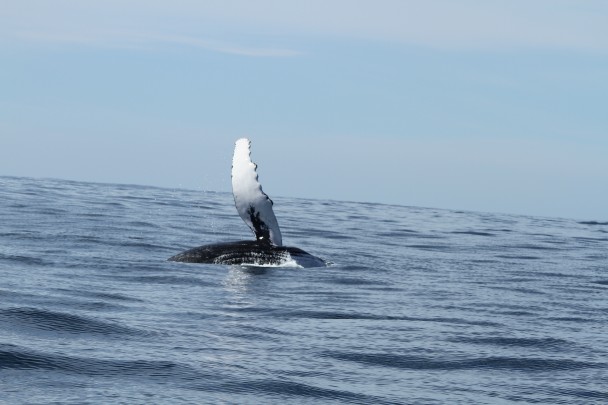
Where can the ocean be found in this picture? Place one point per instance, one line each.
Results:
(417, 306)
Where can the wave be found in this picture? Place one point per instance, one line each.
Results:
(21, 358)
(65, 323)
(411, 362)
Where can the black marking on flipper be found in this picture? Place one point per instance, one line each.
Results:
(262, 233)
(257, 179)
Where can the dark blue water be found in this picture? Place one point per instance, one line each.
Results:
(421, 305)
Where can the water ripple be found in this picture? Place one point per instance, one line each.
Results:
(422, 306)
(61, 322)
(491, 363)
(15, 357)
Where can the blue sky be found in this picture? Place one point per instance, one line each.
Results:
(476, 105)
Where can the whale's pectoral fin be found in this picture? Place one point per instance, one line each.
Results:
(252, 204)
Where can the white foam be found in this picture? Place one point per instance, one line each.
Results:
(286, 264)
(291, 262)
(287, 261)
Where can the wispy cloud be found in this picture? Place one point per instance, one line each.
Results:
(463, 24)
(130, 40)
(220, 46)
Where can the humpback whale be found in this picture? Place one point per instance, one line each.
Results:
(255, 208)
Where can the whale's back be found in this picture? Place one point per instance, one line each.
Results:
(249, 252)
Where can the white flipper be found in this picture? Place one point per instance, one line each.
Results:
(252, 204)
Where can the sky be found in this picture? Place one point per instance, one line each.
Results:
(493, 106)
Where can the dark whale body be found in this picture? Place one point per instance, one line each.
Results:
(244, 252)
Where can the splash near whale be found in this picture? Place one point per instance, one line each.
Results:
(255, 208)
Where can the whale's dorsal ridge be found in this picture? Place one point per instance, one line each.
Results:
(252, 204)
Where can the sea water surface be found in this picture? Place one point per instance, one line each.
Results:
(420, 306)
